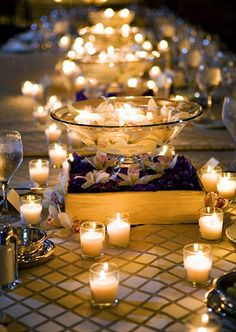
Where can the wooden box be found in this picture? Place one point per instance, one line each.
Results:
(161, 207)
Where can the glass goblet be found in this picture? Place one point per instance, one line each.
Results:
(208, 78)
(11, 156)
(229, 119)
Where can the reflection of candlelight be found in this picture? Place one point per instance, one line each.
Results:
(32, 89)
(69, 67)
(64, 42)
(109, 12)
(124, 13)
(138, 38)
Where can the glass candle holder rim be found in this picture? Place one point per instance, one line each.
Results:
(124, 216)
(87, 225)
(28, 198)
(208, 210)
(209, 168)
(34, 162)
(205, 248)
(197, 111)
(96, 268)
(226, 175)
(54, 145)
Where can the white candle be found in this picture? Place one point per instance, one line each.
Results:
(197, 265)
(104, 288)
(209, 177)
(40, 115)
(39, 171)
(210, 227)
(226, 187)
(74, 139)
(92, 243)
(57, 154)
(118, 231)
(31, 212)
(53, 133)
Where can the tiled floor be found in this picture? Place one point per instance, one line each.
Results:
(154, 295)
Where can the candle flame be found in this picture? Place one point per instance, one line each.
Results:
(52, 127)
(71, 158)
(39, 163)
(102, 275)
(94, 225)
(163, 45)
(196, 247)
(109, 12)
(124, 13)
(105, 266)
(118, 216)
(205, 318)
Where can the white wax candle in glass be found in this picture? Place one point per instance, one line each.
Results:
(209, 176)
(39, 171)
(57, 154)
(118, 229)
(40, 115)
(104, 285)
(226, 185)
(198, 263)
(210, 223)
(92, 236)
(53, 133)
(30, 209)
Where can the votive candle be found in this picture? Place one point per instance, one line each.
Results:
(197, 263)
(57, 154)
(226, 185)
(92, 235)
(39, 171)
(210, 223)
(40, 115)
(118, 229)
(209, 175)
(30, 208)
(53, 133)
(104, 284)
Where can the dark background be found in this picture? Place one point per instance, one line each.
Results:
(215, 16)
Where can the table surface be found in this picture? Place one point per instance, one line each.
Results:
(153, 292)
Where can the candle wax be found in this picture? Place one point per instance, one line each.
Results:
(197, 267)
(92, 243)
(39, 174)
(210, 227)
(31, 212)
(104, 289)
(118, 232)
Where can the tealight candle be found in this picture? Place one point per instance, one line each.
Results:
(30, 209)
(92, 235)
(39, 171)
(197, 263)
(118, 229)
(40, 115)
(226, 185)
(210, 223)
(57, 154)
(209, 175)
(104, 285)
(53, 133)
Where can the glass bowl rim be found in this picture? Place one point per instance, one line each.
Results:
(197, 107)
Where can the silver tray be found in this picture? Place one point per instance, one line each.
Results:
(231, 233)
(40, 257)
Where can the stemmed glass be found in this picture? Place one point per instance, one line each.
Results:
(11, 155)
(229, 119)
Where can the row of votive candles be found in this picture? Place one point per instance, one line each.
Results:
(104, 278)
(92, 235)
(214, 180)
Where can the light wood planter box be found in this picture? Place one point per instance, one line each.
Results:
(161, 207)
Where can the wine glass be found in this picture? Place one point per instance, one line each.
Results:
(11, 155)
(229, 119)
(208, 79)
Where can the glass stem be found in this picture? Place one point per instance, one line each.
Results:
(4, 198)
(209, 101)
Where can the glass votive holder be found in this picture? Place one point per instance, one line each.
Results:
(92, 236)
(118, 230)
(198, 263)
(226, 185)
(104, 285)
(207, 322)
(209, 176)
(40, 115)
(210, 224)
(39, 171)
(30, 209)
(53, 133)
(57, 154)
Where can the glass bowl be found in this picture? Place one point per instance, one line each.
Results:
(127, 126)
(116, 18)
